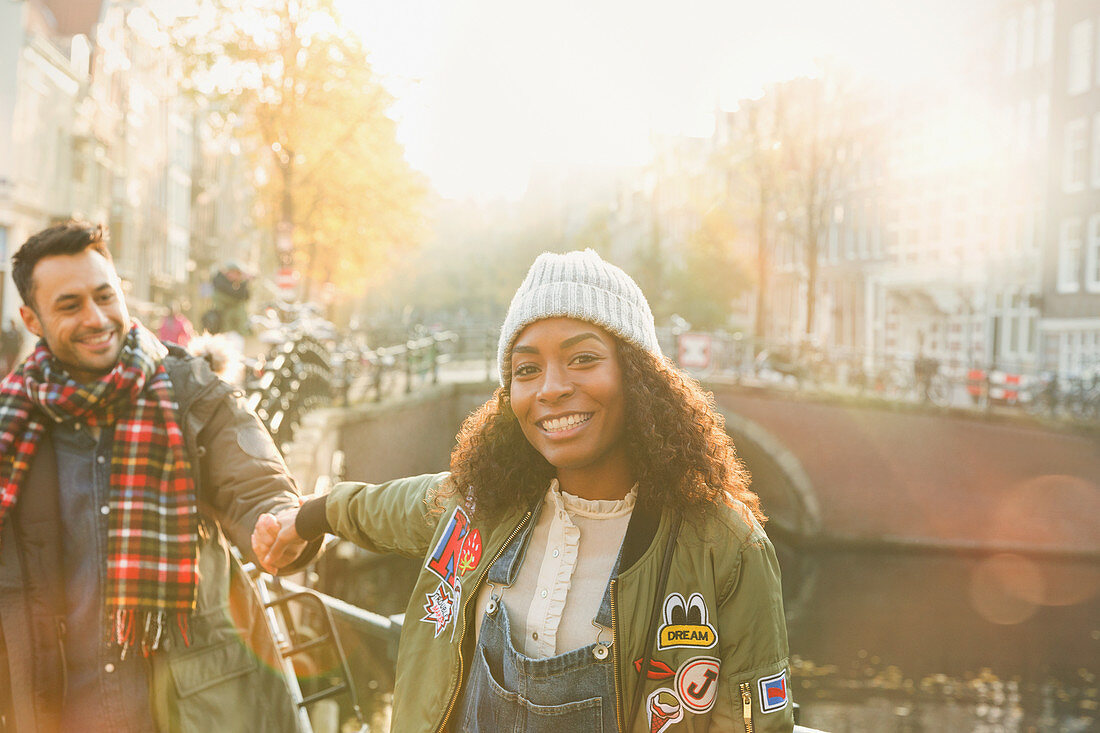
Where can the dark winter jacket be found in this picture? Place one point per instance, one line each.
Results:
(227, 678)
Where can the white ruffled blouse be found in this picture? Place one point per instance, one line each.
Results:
(553, 602)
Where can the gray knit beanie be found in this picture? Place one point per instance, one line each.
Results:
(578, 285)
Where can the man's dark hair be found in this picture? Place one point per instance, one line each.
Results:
(69, 238)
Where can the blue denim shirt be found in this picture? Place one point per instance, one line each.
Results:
(103, 692)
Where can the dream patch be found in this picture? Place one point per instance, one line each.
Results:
(697, 683)
(686, 623)
(663, 709)
(773, 692)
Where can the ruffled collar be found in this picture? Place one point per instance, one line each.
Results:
(591, 508)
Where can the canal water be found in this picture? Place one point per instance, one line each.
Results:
(910, 643)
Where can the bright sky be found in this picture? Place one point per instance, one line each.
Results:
(490, 90)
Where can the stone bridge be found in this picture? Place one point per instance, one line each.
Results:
(830, 472)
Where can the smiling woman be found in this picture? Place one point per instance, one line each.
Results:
(567, 395)
(595, 559)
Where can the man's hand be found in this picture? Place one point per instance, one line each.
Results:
(275, 542)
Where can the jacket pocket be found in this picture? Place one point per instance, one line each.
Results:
(223, 687)
(205, 668)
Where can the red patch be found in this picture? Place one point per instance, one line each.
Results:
(658, 670)
(470, 555)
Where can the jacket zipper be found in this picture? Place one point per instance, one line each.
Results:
(746, 705)
(462, 636)
(619, 715)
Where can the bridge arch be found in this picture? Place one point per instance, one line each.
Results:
(785, 489)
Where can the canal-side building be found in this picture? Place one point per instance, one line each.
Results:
(149, 121)
(94, 124)
(1070, 290)
(44, 68)
(938, 237)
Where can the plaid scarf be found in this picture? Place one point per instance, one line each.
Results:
(153, 531)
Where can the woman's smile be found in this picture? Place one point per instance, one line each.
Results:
(567, 393)
(560, 426)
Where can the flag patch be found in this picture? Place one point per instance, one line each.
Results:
(773, 692)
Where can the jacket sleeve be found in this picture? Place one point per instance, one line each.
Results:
(752, 631)
(391, 517)
(243, 473)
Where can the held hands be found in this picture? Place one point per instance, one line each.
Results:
(275, 542)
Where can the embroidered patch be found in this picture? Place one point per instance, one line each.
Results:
(697, 683)
(686, 623)
(444, 558)
(440, 608)
(470, 555)
(773, 692)
(663, 709)
(658, 670)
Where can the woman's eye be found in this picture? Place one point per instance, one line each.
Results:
(523, 370)
(585, 358)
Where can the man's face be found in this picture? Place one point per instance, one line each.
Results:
(79, 311)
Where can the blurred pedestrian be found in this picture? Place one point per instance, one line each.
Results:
(595, 558)
(116, 580)
(11, 343)
(176, 328)
(231, 294)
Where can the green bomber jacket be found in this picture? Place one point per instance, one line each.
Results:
(719, 625)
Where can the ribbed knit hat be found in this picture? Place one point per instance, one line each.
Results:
(578, 285)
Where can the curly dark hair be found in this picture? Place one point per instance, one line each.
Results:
(676, 441)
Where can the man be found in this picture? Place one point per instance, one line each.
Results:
(125, 465)
(231, 296)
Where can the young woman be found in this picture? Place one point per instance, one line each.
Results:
(594, 560)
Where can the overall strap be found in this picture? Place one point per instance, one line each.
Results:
(655, 619)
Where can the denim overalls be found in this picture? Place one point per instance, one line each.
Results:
(507, 691)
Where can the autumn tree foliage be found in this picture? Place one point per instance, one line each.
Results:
(333, 186)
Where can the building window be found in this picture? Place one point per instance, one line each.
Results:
(1017, 324)
(1092, 256)
(1012, 43)
(1046, 31)
(1027, 37)
(1095, 167)
(1074, 160)
(1042, 117)
(1023, 127)
(1069, 256)
(1080, 57)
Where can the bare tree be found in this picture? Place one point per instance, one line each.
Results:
(816, 138)
(753, 161)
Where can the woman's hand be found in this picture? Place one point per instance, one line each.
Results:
(275, 542)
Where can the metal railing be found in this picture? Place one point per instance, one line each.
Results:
(294, 377)
(304, 372)
(896, 377)
(371, 374)
(286, 604)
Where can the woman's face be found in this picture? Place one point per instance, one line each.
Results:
(567, 394)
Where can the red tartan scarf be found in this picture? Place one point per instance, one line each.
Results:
(153, 526)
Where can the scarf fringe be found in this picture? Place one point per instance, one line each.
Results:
(132, 628)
